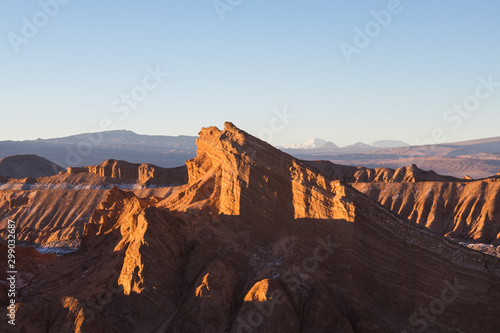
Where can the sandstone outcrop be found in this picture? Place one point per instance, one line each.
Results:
(146, 174)
(464, 209)
(351, 174)
(259, 241)
(57, 217)
(468, 211)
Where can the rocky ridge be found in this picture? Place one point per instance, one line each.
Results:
(259, 241)
(146, 174)
(351, 174)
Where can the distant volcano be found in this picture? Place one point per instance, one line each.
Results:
(312, 144)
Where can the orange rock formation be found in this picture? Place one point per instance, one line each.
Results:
(257, 241)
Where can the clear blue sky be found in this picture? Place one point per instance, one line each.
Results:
(264, 56)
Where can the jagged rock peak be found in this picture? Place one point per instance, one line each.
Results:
(211, 138)
(235, 172)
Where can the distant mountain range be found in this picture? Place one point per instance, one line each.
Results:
(94, 148)
(322, 144)
(389, 144)
(312, 144)
(163, 151)
(476, 158)
(359, 145)
(123, 137)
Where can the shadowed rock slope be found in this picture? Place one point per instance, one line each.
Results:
(258, 241)
(468, 211)
(458, 208)
(22, 166)
(52, 211)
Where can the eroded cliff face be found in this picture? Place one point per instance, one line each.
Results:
(258, 241)
(240, 175)
(48, 217)
(464, 209)
(146, 174)
(351, 174)
(52, 211)
(468, 211)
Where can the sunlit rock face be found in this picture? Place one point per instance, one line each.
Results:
(257, 241)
